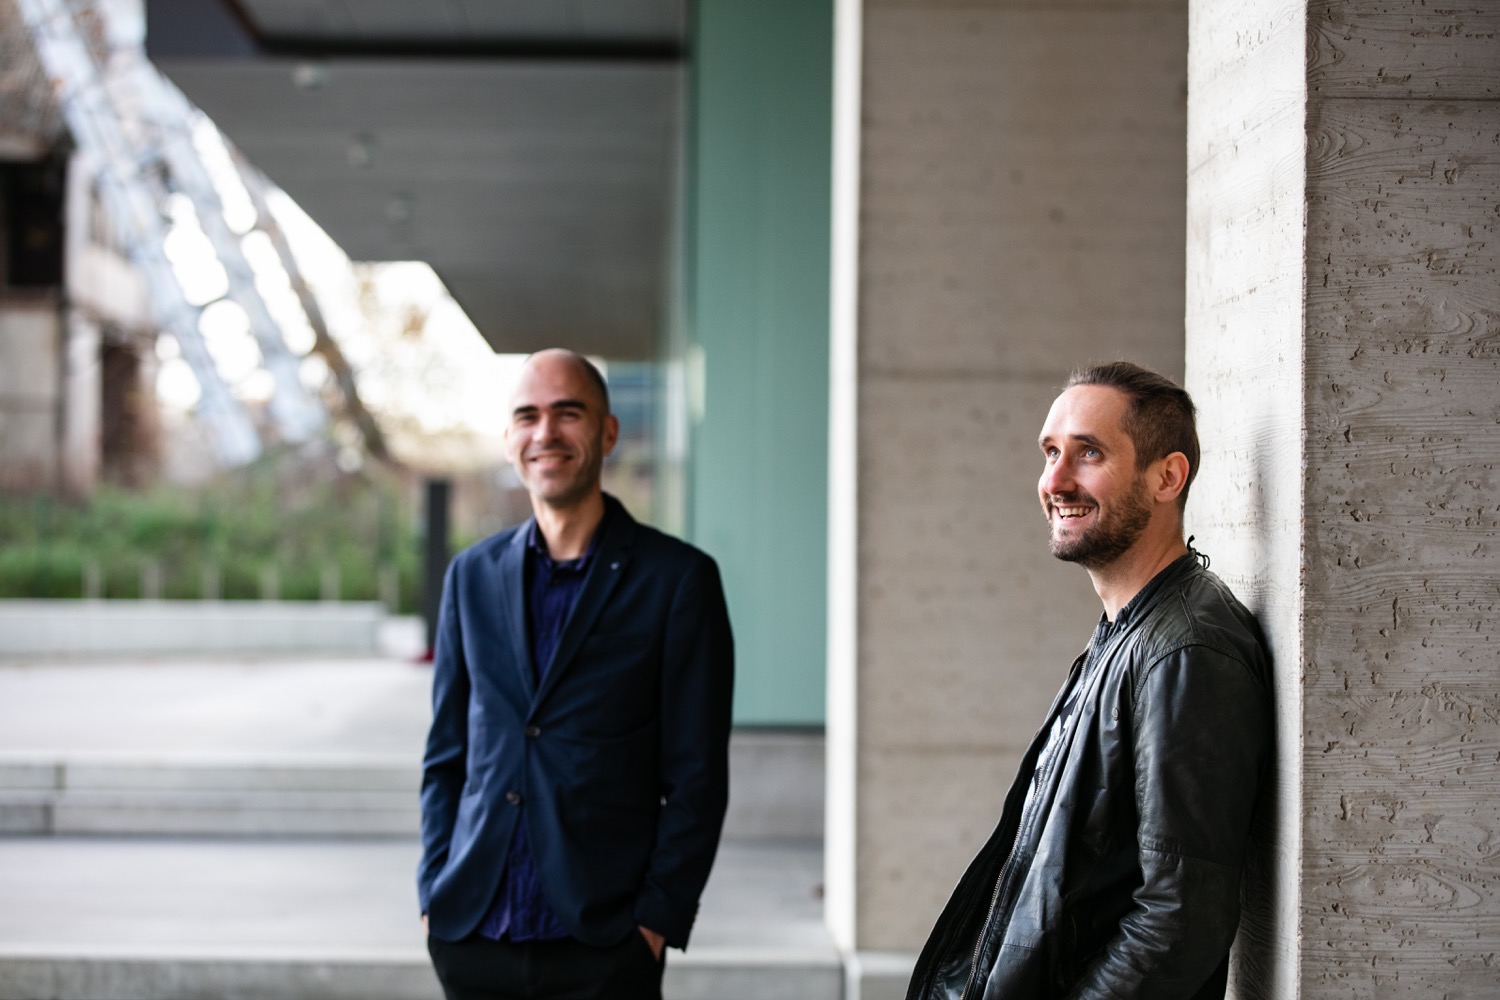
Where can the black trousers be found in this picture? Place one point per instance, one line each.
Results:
(477, 968)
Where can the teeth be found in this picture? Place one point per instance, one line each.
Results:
(1072, 511)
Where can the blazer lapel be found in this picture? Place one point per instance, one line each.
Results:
(513, 609)
(608, 567)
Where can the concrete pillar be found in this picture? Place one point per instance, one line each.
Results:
(79, 451)
(1344, 197)
(1020, 176)
(31, 340)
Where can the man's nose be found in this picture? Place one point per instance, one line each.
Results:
(1057, 476)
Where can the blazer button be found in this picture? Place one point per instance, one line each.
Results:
(532, 732)
(513, 797)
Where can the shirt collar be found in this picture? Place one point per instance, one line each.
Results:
(536, 544)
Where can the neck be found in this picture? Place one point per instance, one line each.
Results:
(1122, 579)
(569, 529)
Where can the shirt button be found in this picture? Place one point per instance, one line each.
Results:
(513, 797)
(532, 732)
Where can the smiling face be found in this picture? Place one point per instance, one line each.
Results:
(1096, 501)
(559, 432)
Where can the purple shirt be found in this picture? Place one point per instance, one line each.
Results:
(520, 911)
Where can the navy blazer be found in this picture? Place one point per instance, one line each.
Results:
(618, 764)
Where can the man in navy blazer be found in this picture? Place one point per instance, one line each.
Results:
(576, 773)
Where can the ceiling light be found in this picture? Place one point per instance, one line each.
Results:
(310, 75)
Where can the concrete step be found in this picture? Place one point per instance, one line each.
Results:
(359, 797)
(145, 746)
(319, 919)
(776, 781)
(54, 628)
(709, 974)
(60, 974)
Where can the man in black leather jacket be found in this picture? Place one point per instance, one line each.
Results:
(1115, 869)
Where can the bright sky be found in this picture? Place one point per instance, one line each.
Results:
(446, 379)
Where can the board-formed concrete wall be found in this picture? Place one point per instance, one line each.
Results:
(1401, 742)
(1022, 207)
(1342, 339)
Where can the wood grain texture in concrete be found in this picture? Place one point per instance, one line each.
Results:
(1403, 50)
(1344, 192)
(1401, 769)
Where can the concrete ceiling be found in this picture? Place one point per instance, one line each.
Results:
(616, 22)
(526, 149)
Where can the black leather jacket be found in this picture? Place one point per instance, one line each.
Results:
(1126, 882)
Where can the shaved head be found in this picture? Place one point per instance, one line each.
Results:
(589, 370)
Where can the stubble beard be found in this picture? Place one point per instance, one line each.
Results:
(1111, 536)
(561, 494)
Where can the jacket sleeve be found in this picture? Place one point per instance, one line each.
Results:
(1202, 738)
(697, 690)
(445, 760)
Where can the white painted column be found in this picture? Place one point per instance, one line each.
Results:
(840, 840)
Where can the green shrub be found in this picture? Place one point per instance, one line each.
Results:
(284, 512)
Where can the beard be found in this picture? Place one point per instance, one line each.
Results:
(565, 490)
(1114, 532)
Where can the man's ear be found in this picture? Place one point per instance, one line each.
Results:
(1169, 476)
(611, 433)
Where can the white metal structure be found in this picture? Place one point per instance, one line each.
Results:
(138, 128)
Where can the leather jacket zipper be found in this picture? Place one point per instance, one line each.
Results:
(989, 915)
(1074, 677)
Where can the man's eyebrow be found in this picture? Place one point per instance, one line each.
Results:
(1083, 439)
(556, 404)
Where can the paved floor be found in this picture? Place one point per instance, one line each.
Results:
(86, 901)
(324, 898)
(270, 708)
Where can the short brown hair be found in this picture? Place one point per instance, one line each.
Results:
(1160, 419)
